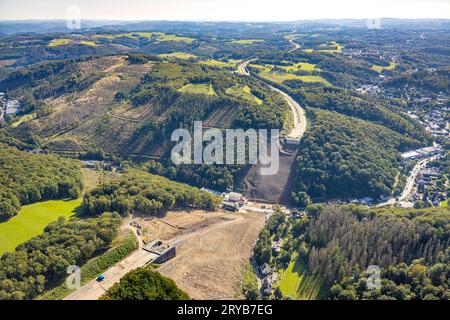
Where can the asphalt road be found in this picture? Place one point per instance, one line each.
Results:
(276, 188)
(94, 290)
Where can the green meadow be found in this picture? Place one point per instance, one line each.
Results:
(60, 42)
(247, 41)
(178, 55)
(158, 36)
(32, 220)
(220, 64)
(380, 69)
(279, 78)
(243, 93)
(198, 88)
(297, 283)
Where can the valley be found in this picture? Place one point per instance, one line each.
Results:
(88, 176)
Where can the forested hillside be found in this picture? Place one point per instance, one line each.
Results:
(28, 178)
(366, 108)
(42, 262)
(144, 284)
(415, 281)
(343, 156)
(341, 239)
(145, 193)
(335, 245)
(133, 106)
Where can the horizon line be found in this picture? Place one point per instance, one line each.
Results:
(229, 21)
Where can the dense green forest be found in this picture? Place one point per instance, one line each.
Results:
(434, 82)
(28, 178)
(41, 263)
(371, 109)
(415, 281)
(138, 111)
(217, 177)
(342, 238)
(144, 284)
(343, 156)
(145, 193)
(339, 243)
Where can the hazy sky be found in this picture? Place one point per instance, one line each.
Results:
(237, 10)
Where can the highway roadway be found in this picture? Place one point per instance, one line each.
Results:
(299, 114)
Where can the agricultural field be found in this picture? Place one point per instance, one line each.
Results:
(296, 282)
(60, 42)
(301, 66)
(275, 74)
(157, 36)
(178, 55)
(221, 64)
(243, 93)
(247, 41)
(380, 69)
(198, 88)
(280, 78)
(32, 220)
(329, 47)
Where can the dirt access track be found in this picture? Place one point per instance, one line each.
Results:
(212, 248)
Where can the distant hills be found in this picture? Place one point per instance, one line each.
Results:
(57, 26)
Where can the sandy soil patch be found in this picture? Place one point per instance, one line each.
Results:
(212, 248)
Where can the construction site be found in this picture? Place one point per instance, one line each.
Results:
(204, 252)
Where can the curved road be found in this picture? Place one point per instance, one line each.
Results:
(276, 188)
(299, 114)
(93, 289)
(296, 45)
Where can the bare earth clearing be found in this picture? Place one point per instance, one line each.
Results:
(212, 248)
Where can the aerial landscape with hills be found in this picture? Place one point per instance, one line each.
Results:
(357, 210)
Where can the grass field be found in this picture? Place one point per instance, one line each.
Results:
(336, 47)
(31, 221)
(279, 78)
(178, 55)
(243, 93)
(198, 88)
(301, 66)
(220, 64)
(332, 47)
(247, 41)
(298, 283)
(380, 69)
(60, 42)
(24, 118)
(159, 36)
(87, 43)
